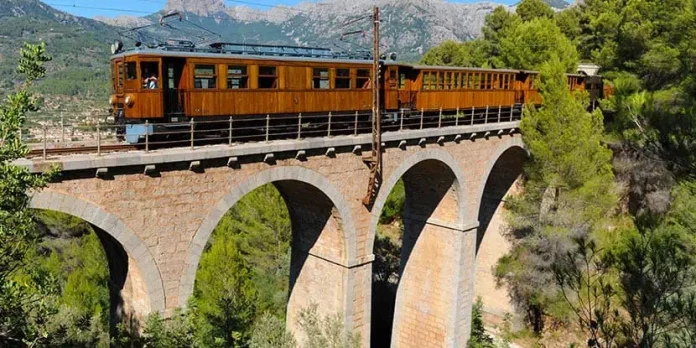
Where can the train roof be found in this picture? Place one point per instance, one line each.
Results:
(199, 54)
(453, 68)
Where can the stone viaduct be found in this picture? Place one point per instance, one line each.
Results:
(155, 212)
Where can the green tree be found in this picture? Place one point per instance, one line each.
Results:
(270, 332)
(224, 295)
(325, 331)
(534, 9)
(569, 193)
(451, 53)
(531, 44)
(479, 337)
(498, 25)
(22, 310)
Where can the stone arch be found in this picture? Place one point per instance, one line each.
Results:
(502, 173)
(430, 154)
(126, 252)
(432, 303)
(317, 210)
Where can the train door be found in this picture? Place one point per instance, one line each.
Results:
(150, 75)
(391, 93)
(407, 92)
(174, 97)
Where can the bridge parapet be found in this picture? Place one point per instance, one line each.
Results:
(236, 154)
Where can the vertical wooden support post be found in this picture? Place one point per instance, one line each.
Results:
(439, 119)
(401, 126)
(329, 131)
(299, 126)
(192, 136)
(230, 132)
(456, 118)
(147, 136)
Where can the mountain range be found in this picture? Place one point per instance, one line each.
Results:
(80, 45)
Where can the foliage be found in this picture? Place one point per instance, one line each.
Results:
(529, 10)
(325, 331)
(531, 44)
(479, 337)
(394, 205)
(173, 332)
(568, 192)
(450, 53)
(259, 226)
(22, 308)
(270, 332)
(224, 295)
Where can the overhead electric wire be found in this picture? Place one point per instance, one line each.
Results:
(97, 8)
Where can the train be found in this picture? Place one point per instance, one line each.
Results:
(173, 83)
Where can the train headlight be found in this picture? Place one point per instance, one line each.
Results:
(130, 100)
(116, 46)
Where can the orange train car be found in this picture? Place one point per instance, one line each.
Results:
(177, 82)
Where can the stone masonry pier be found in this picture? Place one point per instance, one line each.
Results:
(155, 212)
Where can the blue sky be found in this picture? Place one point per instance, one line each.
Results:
(113, 8)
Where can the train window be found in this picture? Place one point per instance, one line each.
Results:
(204, 77)
(426, 80)
(237, 77)
(131, 72)
(447, 79)
(149, 72)
(440, 80)
(458, 80)
(321, 79)
(402, 81)
(363, 78)
(268, 78)
(343, 78)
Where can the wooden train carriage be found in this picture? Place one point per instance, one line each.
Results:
(212, 84)
(428, 87)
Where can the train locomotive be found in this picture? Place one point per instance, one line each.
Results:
(168, 85)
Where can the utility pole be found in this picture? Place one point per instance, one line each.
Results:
(375, 161)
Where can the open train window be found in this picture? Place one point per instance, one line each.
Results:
(427, 79)
(149, 72)
(363, 78)
(447, 80)
(204, 77)
(131, 71)
(320, 78)
(268, 77)
(343, 78)
(402, 81)
(237, 77)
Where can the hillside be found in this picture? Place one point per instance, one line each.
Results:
(77, 78)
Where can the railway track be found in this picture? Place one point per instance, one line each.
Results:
(82, 149)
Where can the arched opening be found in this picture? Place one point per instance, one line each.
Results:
(98, 282)
(134, 283)
(418, 281)
(313, 234)
(504, 179)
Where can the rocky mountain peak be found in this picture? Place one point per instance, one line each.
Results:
(203, 8)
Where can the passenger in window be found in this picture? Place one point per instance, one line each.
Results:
(150, 82)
